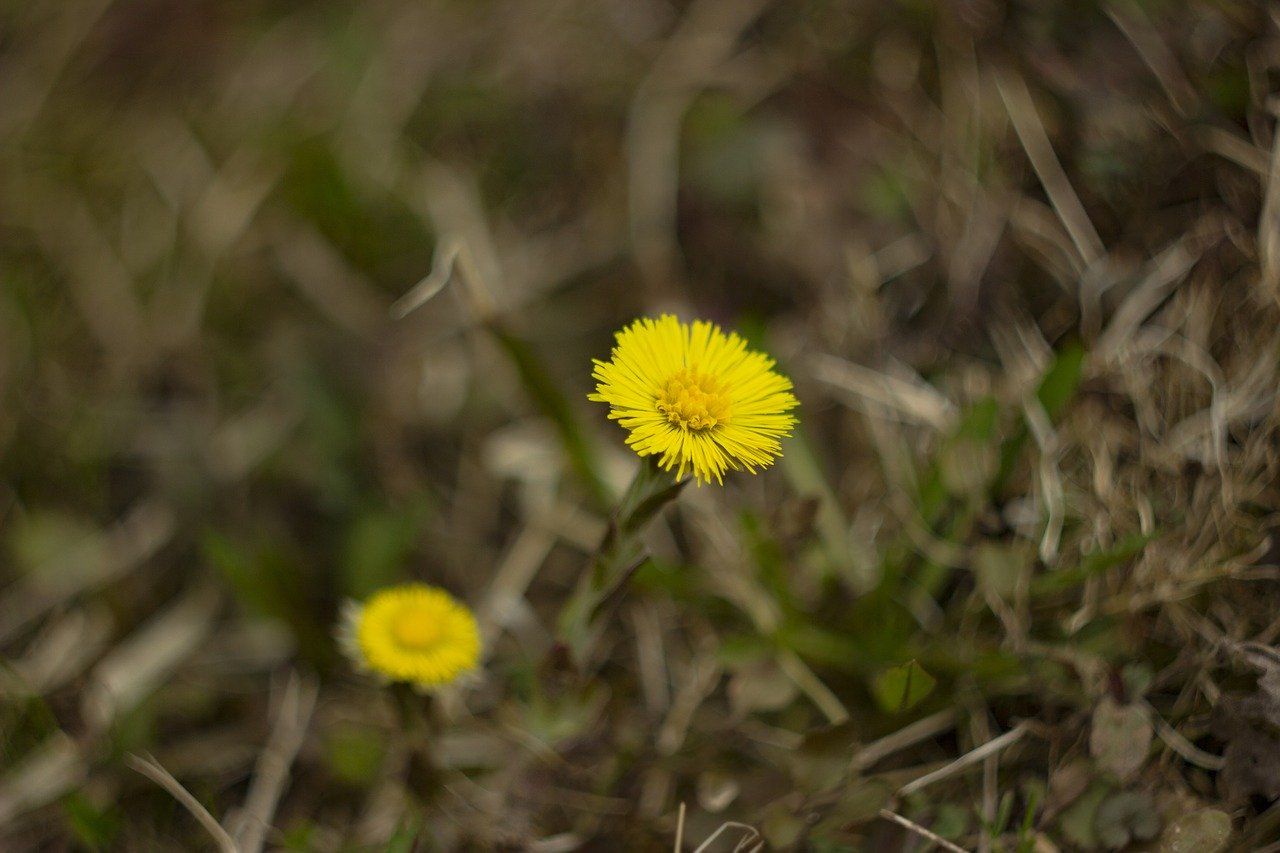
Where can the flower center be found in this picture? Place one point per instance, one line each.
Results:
(693, 401)
(412, 630)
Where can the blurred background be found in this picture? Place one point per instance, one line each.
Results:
(1013, 583)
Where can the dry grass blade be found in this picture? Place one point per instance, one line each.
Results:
(327, 280)
(913, 400)
(812, 686)
(450, 201)
(965, 761)
(1049, 478)
(651, 658)
(688, 62)
(441, 274)
(750, 834)
(249, 827)
(907, 736)
(1030, 130)
(695, 687)
(1163, 274)
(504, 599)
(54, 769)
(921, 831)
(45, 54)
(1155, 53)
(1269, 225)
(1236, 149)
(1183, 747)
(59, 653)
(79, 566)
(149, 767)
(140, 664)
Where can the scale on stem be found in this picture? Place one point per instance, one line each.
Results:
(620, 554)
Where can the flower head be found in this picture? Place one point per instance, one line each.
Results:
(695, 396)
(414, 633)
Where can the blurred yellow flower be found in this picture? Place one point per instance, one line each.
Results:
(413, 633)
(696, 396)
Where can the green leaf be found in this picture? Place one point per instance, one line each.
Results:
(58, 552)
(1057, 388)
(860, 802)
(95, 828)
(300, 838)
(1090, 565)
(970, 456)
(1000, 566)
(254, 587)
(1202, 831)
(803, 468)
(951, 822)
(650, 506)
(1077, 821)
(545, 392)
(1061, 380)
(1120, 736)
(405, 839)
(828, 648)
(378, 544)
(760, 686)
(354, 754)
(270, 581)
(966, 467)
(1125, 817)
(903, 687)
(822, 761)
(781, 826)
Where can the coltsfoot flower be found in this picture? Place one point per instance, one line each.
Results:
(696, 397)
(413, 633)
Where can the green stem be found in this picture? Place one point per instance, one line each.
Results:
(544, 391)
(620, 554)
(420, 727)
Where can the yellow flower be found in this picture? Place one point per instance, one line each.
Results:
(696, 396)
(414, 633)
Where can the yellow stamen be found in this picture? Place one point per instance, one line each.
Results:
(412, 631)
(693, 401)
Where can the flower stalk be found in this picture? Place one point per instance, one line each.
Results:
(620, 554)
(421, 723)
